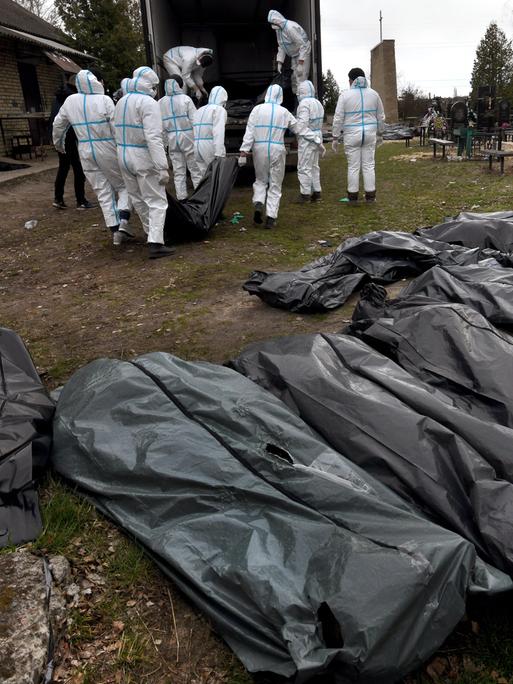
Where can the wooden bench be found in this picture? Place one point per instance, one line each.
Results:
(442, 143)
(498, 155)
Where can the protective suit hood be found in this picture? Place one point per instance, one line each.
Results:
(88, 84)
(172, 87)
(218, 96)
(124, 85)
(305, 89)
(360, 82)
(274, 94)
(144, 80)
(274, 17)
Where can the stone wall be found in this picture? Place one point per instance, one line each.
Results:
(384, 77)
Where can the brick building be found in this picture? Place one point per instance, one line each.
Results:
(34, 61)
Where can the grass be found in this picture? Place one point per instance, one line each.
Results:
(179, 303)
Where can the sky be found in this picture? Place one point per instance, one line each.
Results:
(435, 41)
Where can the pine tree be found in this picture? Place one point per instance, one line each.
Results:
(493, 64)
(109, 30)
(330, 91)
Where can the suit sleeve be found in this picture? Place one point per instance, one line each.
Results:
(153, 133)
(218, 130)
(61, 125)
(187, 69)
(298, 37)
(300, 129)
(380, 115)
(249, 135)
(338, 119)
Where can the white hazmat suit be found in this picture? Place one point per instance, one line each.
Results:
(264, 136)
(209, 128)
(293, 42)
(178, 112)
(360, 116)
(91, 113)
(184, 61)
(141, 154)
(310, 113)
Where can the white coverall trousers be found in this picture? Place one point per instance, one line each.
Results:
(205, 154)
(308, 169)
(107, 183)
(269, 174)
(151, 210)
(361, 157)
(181, 161)
(296, 79)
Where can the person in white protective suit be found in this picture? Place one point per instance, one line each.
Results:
(310, 112)
(142, 157)
(264, 136)
(178, 110)
(361, 118)
(118, 94)
(189, 63)
(91, 113)
(209, 128)
(293, 42)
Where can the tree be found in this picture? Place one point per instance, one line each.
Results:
(493, 63)
(330, 91)
(45, 9)
(109, 30)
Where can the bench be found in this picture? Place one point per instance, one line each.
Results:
(21, 144)
(498, 155)
(442, 143)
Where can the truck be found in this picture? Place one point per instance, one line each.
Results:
(244, 48)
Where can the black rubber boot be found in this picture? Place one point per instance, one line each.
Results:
(316, 197)
(157, 251)
(269, 222)
(370, 197)
(303, 199)
(257, 216)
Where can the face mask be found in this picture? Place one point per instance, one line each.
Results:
(274, 27)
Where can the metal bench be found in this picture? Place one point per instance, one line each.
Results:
(442, 143)
(497, 155)
(21, 144)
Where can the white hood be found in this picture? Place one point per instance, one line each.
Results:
(274, 94)
(218, 96)
(88, 84)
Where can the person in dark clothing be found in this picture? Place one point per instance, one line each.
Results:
(70, 158)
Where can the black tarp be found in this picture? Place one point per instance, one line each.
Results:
(411, 437)
(485, 287)
(26, 413)
(383, 256)
(456, 350)
(306, 564)
(493, 233)
(195, 217)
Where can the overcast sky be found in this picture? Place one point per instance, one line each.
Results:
(435, 41)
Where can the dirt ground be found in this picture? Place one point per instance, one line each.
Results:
(73, 297)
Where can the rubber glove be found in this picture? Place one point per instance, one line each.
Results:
(279, 67)
(335, 145)
(323, 151)
(242, 160)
